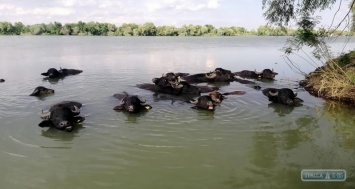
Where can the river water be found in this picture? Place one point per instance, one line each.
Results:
(245, 143)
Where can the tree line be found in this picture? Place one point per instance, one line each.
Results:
(132, 29)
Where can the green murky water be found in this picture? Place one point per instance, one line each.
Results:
(246, 143)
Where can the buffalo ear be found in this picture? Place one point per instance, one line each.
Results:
(34, 92)
(120, 96)
(118, 108)
(298, 100)
(45, 123)
(148, 107)
(44, 74)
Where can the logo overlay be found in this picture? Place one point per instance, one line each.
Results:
(323, 175)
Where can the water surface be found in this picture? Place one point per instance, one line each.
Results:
(246, 143)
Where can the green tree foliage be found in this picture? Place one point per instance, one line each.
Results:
(54, 28)
(6, 28)
(37, 29)
(147, 29)
(132, 29)
(282, 12)
(167, 31)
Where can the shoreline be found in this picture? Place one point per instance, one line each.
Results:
(334, 81)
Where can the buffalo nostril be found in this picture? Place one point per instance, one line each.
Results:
(63, 124)
(130, 108)
(290, 102)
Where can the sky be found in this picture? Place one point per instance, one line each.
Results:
(220, 13)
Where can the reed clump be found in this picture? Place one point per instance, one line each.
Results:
(335, 80)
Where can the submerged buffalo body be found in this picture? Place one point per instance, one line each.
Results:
(219, 74)
(40, 91)
(63, 116)
(265, 74)
(284, 96)
(54, 73)
(131, 103)
(183, 88)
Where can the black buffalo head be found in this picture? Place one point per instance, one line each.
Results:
(204, 102)
(62, 116)
(267, 74)
(217, 96)
(223, 71)
(40, 90)
(220, 74)
(167, 80)
(284, 96)
(131, 103)
(208, 102)
(52, 73)
(2, 80)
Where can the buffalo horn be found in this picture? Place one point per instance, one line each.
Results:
(211, 75)
(75, 109)
(179, 86)
(194, 101)
(274, 94)
(295, 93)
(45, 116)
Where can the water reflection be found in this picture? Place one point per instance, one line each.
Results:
(44, 97)
(204, 114)
(133, 117)
(181, 99)
(53, 80)
(60, 135)
(244, 143)
(342, 117)
(281, 109)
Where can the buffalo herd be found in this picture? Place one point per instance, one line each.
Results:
(65, 115)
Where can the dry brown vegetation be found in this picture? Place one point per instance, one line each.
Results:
(335, 80)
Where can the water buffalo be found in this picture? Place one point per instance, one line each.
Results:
(209, 101)
(54, 73)
(265, 74)
(63, 116)
(2, 80)
(40, 91)
(219, 74)
(131, 103)
(283, 96)
(169, 79)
